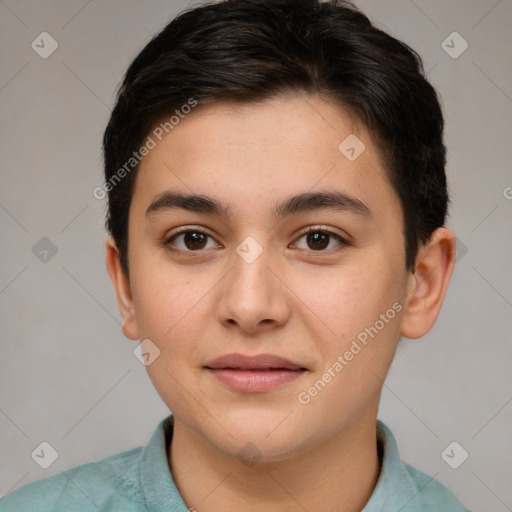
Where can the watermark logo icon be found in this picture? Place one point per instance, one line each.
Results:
(44, 250)
(146, 352)
(44, 455)
(454, 45)
(249, 249)
(352, 147)
(249, 454)
(44, 45)
(454, 455)
(462, 249)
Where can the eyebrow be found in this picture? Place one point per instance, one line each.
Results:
(306, 202)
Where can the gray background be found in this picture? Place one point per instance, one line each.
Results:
(67, 374)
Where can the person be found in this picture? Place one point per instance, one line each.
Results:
(275, 172)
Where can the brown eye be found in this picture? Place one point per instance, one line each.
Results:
(318, 240)
(194, 241)
(191, 240)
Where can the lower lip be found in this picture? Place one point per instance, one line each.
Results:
(254, 381)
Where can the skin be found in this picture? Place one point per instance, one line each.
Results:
(295, 300)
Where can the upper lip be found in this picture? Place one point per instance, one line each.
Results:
(258, 362)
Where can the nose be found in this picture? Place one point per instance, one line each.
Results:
(252, 297)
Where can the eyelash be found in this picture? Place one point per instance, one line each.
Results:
(312, 229)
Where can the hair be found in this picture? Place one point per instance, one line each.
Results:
(249, 50)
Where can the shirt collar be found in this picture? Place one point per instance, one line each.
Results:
(158, 485)
(395, 488)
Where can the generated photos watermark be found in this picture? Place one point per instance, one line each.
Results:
(361, 341)
(158, 133)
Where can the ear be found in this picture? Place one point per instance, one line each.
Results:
(428, 284)
(122, 288)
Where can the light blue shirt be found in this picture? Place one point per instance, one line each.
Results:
(139, 480)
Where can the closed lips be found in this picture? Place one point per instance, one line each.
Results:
(262, 362)
(254, 374)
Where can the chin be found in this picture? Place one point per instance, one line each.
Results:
(267, 435)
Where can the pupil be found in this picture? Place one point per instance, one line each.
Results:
(318, 237)
(193, 240)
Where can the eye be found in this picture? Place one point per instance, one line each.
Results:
(318, 239)
(190, 240)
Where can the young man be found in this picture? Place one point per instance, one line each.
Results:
(277, 196)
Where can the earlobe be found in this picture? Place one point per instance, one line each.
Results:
(428, 284)
(122, 288)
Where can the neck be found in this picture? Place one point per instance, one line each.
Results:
(343, 470)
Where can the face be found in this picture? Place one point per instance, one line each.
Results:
(302, 300)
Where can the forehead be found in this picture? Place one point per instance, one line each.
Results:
(247, 155)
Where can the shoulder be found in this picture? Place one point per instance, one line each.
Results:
(112, 484)
(403, 487)
(432, 495)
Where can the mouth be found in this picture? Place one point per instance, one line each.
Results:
(253, 374)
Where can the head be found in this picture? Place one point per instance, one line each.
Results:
(248, 122)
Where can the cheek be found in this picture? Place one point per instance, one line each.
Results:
(171, 314)
(160, 298)
(173, 309)
(364, 313)
(362, 303)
